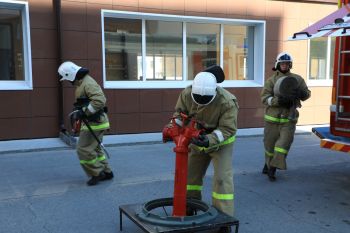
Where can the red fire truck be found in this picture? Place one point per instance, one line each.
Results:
(337, 24)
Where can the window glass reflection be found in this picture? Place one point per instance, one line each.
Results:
(318, 58)
(203, 47)
(235, 52)
(163, 50)
(123, 49)
(11, 45)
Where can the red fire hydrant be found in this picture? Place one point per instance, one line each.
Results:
(182, 136)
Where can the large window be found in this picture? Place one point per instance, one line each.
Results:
(166, 51)
(321, 59)
(15, 59)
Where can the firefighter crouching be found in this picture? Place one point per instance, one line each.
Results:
(89, 106)
(281, 95)
(217, 109)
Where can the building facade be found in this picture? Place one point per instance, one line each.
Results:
(144, 52)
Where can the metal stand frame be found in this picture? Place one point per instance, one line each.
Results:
(133, 210)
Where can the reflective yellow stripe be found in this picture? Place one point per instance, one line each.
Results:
(223, 196)
(275, 119)
(195, 187)
(281, 150)
(101, 157)
(268, 153)
(93, 161)
(227, 141)
(96, 127)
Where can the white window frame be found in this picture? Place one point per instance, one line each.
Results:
(259, 50)
(320, 83)
(27, 83)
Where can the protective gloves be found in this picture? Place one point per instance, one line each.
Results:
(80, 114)
(202, 141)
(286, 102)
(300, 94)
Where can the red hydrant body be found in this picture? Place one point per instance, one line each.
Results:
(182, 136)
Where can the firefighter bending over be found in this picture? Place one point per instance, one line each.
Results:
(217, 109)
(281, 95)
(90, 105)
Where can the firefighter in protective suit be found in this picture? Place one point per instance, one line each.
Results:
(90, 105)
(217, 109)
(279, 125)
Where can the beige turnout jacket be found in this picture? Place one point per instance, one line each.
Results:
(219, 117)
(88, 87)
(275, 113)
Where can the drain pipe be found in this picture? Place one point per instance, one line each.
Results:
(63, 133)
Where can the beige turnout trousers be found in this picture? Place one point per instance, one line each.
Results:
(222, 191)
(91, 156)
(278, 139)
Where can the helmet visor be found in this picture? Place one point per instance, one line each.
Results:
(202, 99)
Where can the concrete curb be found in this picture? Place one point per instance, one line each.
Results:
(20, 146)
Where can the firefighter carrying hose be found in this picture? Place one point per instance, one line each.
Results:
(281, 95)
(217, 110)
(90, 108)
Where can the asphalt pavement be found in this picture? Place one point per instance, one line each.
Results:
(45, 190)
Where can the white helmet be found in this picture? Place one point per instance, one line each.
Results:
(204, 88)
(283, 57)
(68, 71)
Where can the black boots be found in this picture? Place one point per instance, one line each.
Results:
(95, 179)
(102, 176)
(271, 173)
(108, 176)
(265, 169)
